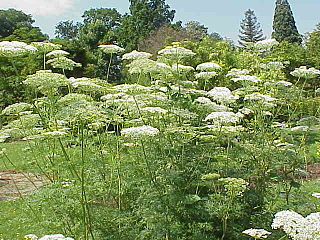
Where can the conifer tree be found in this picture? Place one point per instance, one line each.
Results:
(284, 26)
(250, 30)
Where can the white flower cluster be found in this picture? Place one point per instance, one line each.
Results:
(154, 110)
(16, 108)
(234, 72)
(57, 53)
(144, 65)
(15, 48)
(211, 105)
(46, 81)
(63, 63)
(266, 45)
(83, 82)
(182, 68)
(222, 95)
(272, 66)
(208, 66)
(137, 132)
(47, 237)
(257, 233)
(45, 47)
(304, 72)
(134, 55)
(283, 83)
(316, 195)
(296, 226)
(111, 48)
(205, 75)
(265, 99)
(176, 51)
(224, 117)
(247, 78)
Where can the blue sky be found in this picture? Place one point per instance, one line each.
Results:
(219, 16)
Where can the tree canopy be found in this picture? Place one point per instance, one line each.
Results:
(250, 29)
(284, 25)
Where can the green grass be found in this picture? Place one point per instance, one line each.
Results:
(19, 156)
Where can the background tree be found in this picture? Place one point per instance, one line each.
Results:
(67, 30)
(16, 25)
(284, 26)
(11, 20)
(164, 36)
(145, 16)
(313, 47)
(99, 26)
(250, 29)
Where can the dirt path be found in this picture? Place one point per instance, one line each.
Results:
(14, 184)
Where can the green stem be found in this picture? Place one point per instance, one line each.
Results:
(109, 67)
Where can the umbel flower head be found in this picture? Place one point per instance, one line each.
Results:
(16, 109)
(46, 81)
(45, 47)
(247, 78)
(257, 233)
(222, 95)
(138, 132)
(304, 72)
(57, 53)
(134, 55)
(15, 48)
(111, 48)
(266, 45)
(144, 65)
(234, 72)
(47, 237)
(296, 226)
(224, 117)
(208, 66)
(63, 63)
(205, 75)
(175, 53)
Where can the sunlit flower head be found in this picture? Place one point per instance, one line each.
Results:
(46, 46)
(134, 55)
(272, 66)
(137, 132)
(16, 109)
(304, 72)
(247, 78)
(223, 117)
(222, 95)
(208, 66)
(257, 233)
(234, 72)
(111, 48)
(182, 68)
(15, 48)
(46, 81)
(205, 75)
(57, 53)
(176, 51)
(266, 45)
(144, 65)
(63, 63)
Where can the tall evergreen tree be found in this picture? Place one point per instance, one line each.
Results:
(284, 26)
(250, 30)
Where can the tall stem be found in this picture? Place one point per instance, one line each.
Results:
(109, 67)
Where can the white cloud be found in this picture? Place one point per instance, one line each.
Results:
(38, 7)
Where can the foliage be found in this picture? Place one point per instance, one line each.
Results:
(250, 31)
(284, 26)
(67, 30)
